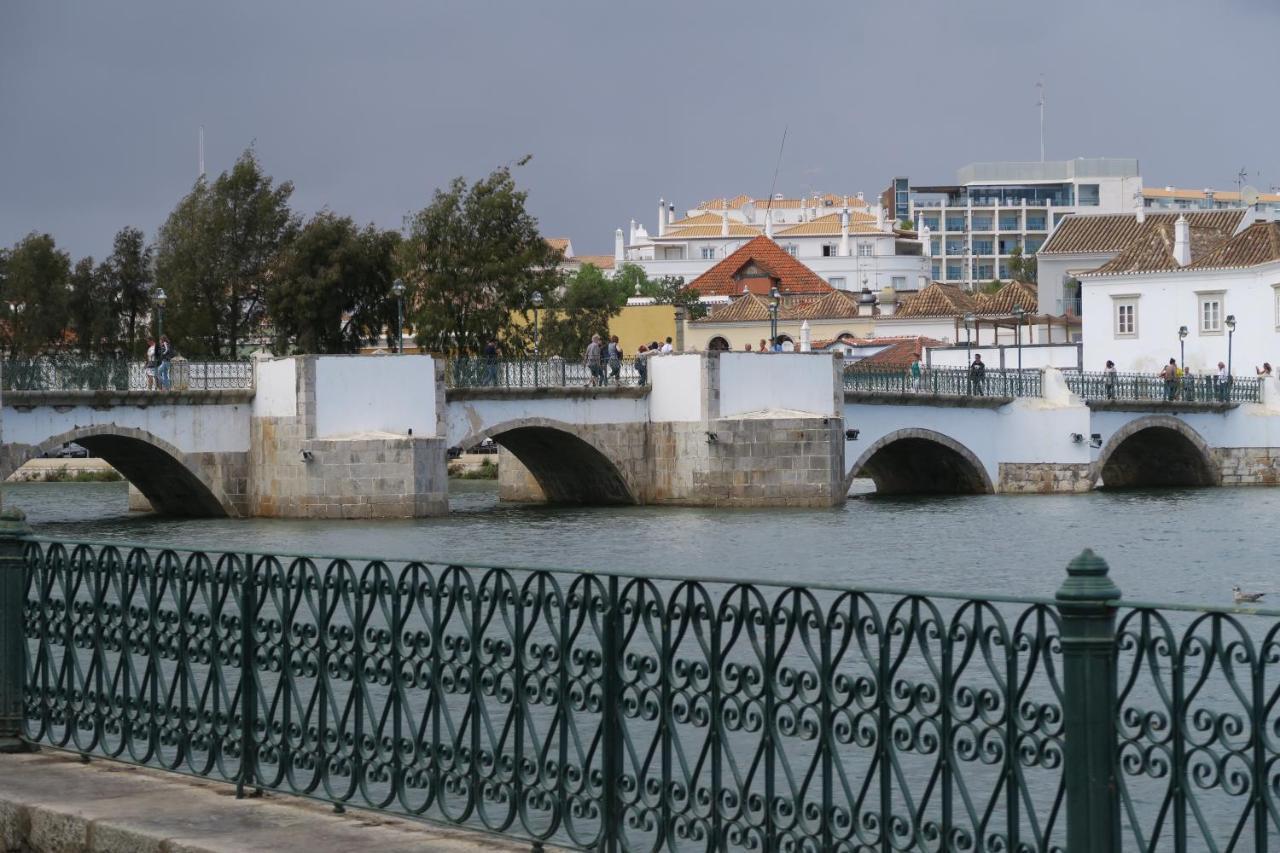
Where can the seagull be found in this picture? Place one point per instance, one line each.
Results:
(1245, 597)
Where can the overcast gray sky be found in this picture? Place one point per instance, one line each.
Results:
(368, 106)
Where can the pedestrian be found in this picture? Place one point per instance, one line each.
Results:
(1170, 377)
(777, 344)
(594, 363)
(642, 366)
(151, 364)
(763, 348)
(164, 354)
(491, 363)
(666, 347)
(1109, 380)
(748, 347)
(915, 372)
(1265, 370)
(787, 345)
(977, 376)
(615, 360)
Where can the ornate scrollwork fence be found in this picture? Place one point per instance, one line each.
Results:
(612, 712)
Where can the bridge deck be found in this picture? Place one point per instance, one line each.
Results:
(190, 397)
(913, 398)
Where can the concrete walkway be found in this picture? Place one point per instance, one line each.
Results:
(52, 803)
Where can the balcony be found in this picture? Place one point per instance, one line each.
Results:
(1036, 223)
(983, 247)
(1010, 223)
(955, 224)
(981, 223)
(1070, 305)
(955, 248)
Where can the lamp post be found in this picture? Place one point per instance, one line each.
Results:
(159, 298)
(537, 304)
(1231, 330)
(398, 289)
(1182, 347)
(774, 299)
(1018, 314)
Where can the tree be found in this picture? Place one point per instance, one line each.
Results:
(472, 258)
(126, 278)
(33, 296)
(92, 313)
(580, 309)
(1020, 268)
(667, 290)
(332, 290)
(213, 257)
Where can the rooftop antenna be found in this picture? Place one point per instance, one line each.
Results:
(1241, 177)
(774, 185)
(201, 150)
(1040, 104)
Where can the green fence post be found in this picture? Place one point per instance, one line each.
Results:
(13, 594)
(1087, 610)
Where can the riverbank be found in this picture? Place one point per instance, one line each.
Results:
(65, 471)
(474, 466)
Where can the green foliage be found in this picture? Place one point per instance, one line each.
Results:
(33, 295)
(472, 258)
(331, 289)
(906, 225)
(91, 311)
(1020, 268)
(486, 470)
(667, 290)
(992, 286)
(126, 281)
(213, 257)
(580, 309)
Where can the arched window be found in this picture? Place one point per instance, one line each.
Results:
(718, 344)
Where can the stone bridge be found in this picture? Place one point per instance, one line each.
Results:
(366, 437)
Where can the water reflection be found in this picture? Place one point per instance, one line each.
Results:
(1187, 545)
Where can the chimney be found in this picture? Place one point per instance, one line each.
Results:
(768, 223)
(880, 217)
(844, 233)
(671, 213)
(1181, 241)
(619, 248)
(633, 233)
(926, 241)
(662, 216)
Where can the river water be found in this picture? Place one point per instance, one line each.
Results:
(1169, 545)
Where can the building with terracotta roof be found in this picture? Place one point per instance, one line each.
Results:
(940, 310)
(1186, 273)
(847, 242)
(572, 262)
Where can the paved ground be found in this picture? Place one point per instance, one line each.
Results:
(35, 469)
(51, 803)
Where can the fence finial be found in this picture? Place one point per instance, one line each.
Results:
(1088, 579)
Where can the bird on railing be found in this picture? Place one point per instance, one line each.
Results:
(1242, 597)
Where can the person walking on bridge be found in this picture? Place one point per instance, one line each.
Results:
(977, 376)
(1109, 380)
(1170, 377)
(164, 354)
(595, 361)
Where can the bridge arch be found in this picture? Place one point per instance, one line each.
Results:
(162, 472)
(1156, 450)
(921, 461)
(566, 460)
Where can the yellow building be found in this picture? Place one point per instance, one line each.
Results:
(643, 324)
(746, 321)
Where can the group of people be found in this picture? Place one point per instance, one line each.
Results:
(157, 367)
(604, 360)
(780, 344)
(1180, 383)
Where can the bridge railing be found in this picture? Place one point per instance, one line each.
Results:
(615, 712)
(945, 381)
(533, 373)
(54, 373)
(1147, 386)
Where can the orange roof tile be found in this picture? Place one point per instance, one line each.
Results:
(604, 262)
(1113, 232)
(1151, 250)
(937, 300)
(1257, 244)
(825, 201)
(829, 226)
(697, 232)
(1002, 302)
(759, 257)
(560, 244)
(898, 355)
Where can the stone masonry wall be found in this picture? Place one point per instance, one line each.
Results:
(1045, 478)
(1248, 466)
(515, 482)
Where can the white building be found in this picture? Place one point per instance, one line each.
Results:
(850, 244)
(1174, 275)
(976, 223)
(1173, 198)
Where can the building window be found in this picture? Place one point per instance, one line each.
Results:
(1210, 313)
(936, 272)
(1088, 195)
(708, 252)
(865, 249)
(899, 282)
(836, 281)
(1126, 318)
(829, 250)
(791, 249)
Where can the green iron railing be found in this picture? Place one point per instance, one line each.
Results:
(536, 373)
(611, 712)
(1146, 386)
(945, 381)
(58, 373)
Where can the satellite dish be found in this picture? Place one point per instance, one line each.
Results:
(1249, 195)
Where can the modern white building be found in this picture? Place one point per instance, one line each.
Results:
(1174, 274)
(848, 243)
(1173, 198)
(976, 224)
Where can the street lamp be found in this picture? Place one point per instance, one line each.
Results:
(1182, 346)
(398, 289)
(1019, 314)
(537, 303)
(159, 299)
(1231, 330)
(775, 298)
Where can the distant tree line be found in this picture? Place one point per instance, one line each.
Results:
(241, 270)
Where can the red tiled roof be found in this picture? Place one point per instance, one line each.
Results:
(1113, 232)
(1151, 250)
(1257, 244)
(898, 355)
(765, 257)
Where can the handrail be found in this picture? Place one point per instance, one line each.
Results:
(68, 373)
